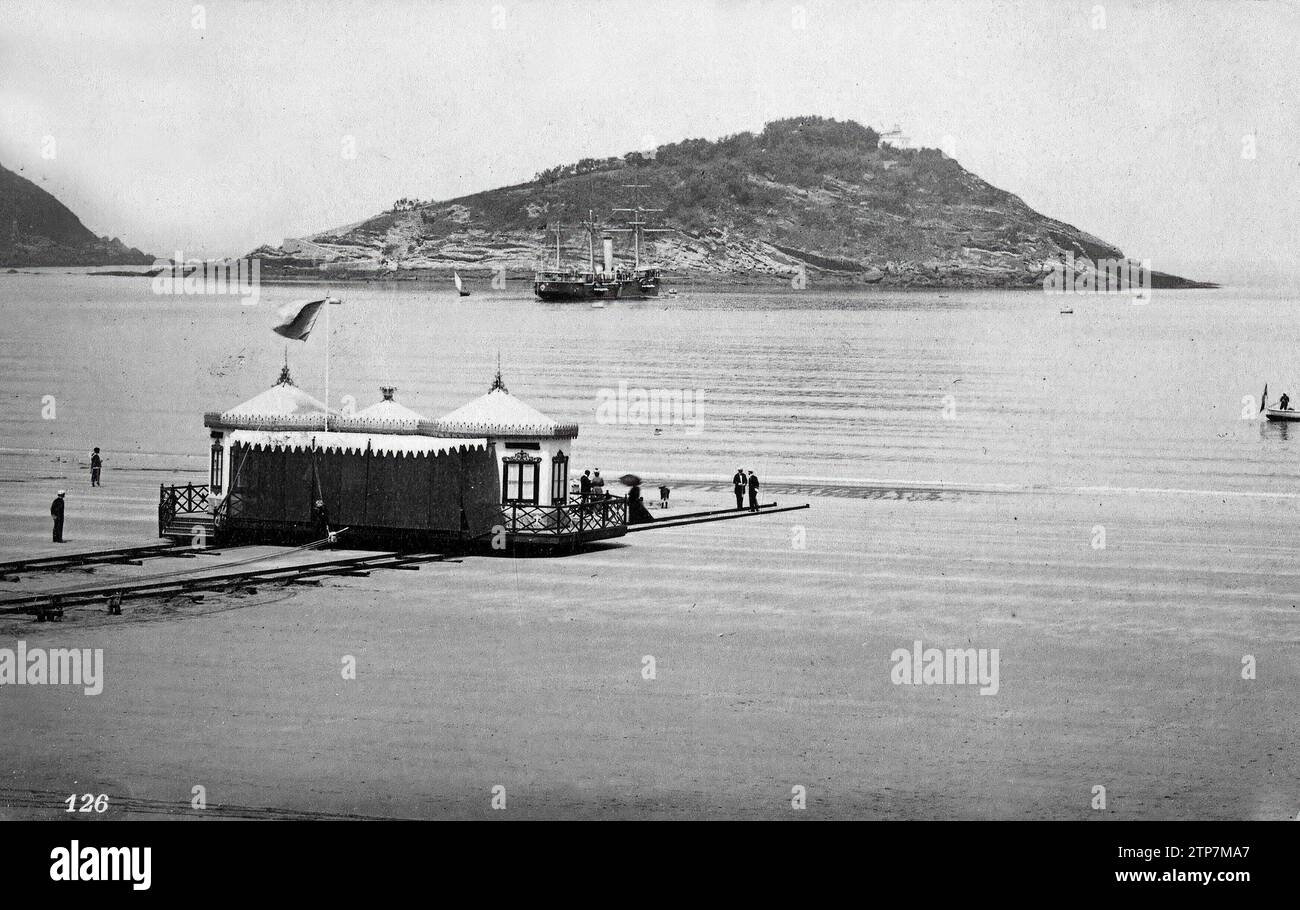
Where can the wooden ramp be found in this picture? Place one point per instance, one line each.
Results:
(695, 518)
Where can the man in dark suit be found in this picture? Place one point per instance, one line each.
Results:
(738, 481)
(753, 492)
(96, 464)
(584, 485)
(56, 512)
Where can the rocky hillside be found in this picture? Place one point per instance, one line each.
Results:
(806, 193)
(37, 229)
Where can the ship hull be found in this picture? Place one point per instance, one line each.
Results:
(560, 294)
(639, 287)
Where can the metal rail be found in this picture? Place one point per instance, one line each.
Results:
(95, 557)
(121, 590)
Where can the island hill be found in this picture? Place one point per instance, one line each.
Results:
(37, 229)
(809, 193)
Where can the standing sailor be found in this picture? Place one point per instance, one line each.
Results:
(56, 512)
(753, 492)
(95, 464)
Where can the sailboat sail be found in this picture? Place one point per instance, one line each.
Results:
(459, 286)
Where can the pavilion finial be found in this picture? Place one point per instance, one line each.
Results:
(497, 383)
(285, 378)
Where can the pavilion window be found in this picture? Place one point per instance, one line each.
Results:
(519, 478)
(559, 478)
(218, 468)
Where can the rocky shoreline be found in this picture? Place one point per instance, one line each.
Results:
(909, 276)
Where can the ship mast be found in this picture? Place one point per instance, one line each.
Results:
(590, 225)
(637, 225)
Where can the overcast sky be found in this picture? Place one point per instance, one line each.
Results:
(1129, 120)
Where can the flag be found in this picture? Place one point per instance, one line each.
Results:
(297, 318)
(1263, 399)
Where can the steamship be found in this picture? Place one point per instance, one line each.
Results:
(610, 282)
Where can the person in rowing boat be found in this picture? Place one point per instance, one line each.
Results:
(738, 482)
(753, 492)
(1285, 403)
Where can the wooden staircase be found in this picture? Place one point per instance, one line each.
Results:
(183, 515)
(190, 528)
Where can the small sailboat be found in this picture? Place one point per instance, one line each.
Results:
(460, 288)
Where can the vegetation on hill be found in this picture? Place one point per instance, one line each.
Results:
(37, 229)
(805, 193)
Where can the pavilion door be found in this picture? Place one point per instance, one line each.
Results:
(559, 479)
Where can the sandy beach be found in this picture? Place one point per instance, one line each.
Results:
(1119, 667)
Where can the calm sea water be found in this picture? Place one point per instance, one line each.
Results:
(980, 388)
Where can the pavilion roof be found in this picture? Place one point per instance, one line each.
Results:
(498, 413)
(283, 405)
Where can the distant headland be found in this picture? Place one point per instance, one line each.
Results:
(808, 196)
(37, 229)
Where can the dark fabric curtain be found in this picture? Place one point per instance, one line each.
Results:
(298, 486)
(366, 489)
(480, 489)
(351, 469)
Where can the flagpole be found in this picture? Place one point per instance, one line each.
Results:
(327, 363)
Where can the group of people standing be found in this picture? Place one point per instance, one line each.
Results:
(591, 487)
(745, 480)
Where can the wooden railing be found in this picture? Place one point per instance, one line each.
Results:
(186, 500)
(593, 515)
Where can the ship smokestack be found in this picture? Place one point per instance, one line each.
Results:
(608, 242)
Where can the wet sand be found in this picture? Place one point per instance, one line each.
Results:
(1119, 667)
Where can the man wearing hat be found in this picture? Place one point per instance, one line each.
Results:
(56, 512)
(738, 481)
(320, 519)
